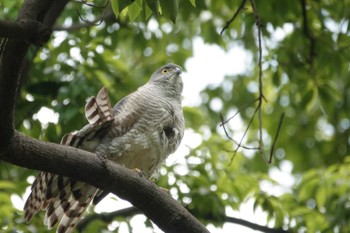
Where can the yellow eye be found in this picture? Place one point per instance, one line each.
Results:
(164, 71)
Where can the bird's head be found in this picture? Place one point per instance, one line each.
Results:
(169, 77)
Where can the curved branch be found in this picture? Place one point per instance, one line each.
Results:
(253, 226)
(12, 54)
(132, 211)
(157, 205)
(107, 16)
(228, 23)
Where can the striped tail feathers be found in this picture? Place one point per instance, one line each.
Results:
(67, 203)
(37, 199)
(98, 109)
(72, 217)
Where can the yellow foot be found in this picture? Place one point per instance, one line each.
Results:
(164, 189)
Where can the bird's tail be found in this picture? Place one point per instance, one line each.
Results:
(68, 200)
(37, 199)
(64, 199)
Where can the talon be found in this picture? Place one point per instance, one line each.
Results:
(139, 172)
(152, 179)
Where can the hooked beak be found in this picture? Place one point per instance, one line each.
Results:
(178, 70)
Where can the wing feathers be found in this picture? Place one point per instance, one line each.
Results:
(98, 109)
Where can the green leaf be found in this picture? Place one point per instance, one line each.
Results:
(147, 12)
(311, 100)
(170, 9)
(119, 5)
(154, 6)
(321, 195)
(134, 11)
(193, 2)
(115, 7)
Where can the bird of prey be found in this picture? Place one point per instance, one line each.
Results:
(139, 132)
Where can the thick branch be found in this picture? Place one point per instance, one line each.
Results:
(28, 30)
(49, 20)
(156, 204)
(12, 54)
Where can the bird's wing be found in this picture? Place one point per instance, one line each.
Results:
(98, 109)
(66, 199)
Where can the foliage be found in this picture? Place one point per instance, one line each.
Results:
(305, 75)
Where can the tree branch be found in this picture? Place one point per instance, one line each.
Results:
(107, 15)
(157, 205)
(107, 217)
(308, 33)
(261, 96)
(12, 54)
(253, 226)
(132, 211)
(28, 30)
(48, 22)
(228, 23)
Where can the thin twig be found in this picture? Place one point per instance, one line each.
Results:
(261, 98)
(238, 111)
(261, 95)
(106, 16)
(94, 22)
(244, 134)
(93, 5)
(228, 23)
(276, 136)
(229, 137)
(107, 217)
(246, 130)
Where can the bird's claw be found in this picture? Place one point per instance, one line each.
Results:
(139, 172)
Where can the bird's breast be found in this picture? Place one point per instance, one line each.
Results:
(143, 150)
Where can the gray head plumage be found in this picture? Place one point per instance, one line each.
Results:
(168, 76)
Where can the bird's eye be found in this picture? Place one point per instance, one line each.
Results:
(164, 71)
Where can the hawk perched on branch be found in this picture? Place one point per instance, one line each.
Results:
(139, 132)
